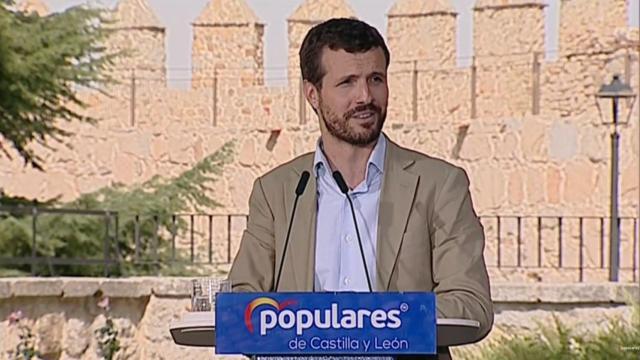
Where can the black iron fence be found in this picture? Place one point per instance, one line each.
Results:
(577, 244)
(580, 244)
(134, 239)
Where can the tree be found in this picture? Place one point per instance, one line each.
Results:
(43, 60)
(63, 236)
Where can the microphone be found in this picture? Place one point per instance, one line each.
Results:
(345, 190)
(302, 184)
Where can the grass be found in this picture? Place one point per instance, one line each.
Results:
(620, 340)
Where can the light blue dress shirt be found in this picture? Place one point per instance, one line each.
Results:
(338, 260)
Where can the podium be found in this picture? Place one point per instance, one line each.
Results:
(322, 324)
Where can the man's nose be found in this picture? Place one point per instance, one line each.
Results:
(364, 93)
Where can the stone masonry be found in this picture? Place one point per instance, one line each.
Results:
(527, 130)
(64, 313)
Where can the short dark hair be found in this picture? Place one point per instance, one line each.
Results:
(351, 35)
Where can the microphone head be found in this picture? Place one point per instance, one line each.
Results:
(340, 181)
(302, 183)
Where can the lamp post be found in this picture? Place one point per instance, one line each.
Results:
(616, 90)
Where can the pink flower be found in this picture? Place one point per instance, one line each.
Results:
(104, 303)
(15, 317)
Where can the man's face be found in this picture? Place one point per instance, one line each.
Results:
(352, 102)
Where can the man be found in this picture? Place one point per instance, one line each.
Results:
(418, 228)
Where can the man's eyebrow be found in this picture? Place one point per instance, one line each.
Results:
(352, 76)
(346, 77)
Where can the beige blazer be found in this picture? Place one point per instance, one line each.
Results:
(429, 237)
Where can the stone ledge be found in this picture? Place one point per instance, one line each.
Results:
(36, 287)
(180, 287)
(80, 287)
(126, 288)
(565, 293)
(584, 293)
(5, 290)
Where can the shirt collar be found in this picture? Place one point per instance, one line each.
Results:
(376, 158)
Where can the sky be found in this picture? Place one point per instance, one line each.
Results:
(177, 15)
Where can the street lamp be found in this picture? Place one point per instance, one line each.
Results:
(615, 91)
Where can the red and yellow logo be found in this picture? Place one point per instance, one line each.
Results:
(248, 311)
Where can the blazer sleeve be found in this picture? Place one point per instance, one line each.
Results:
(459, 270)
(253, 266)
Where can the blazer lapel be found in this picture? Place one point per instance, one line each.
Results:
(301, 253)
(398, 192)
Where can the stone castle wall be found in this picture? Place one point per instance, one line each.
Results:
(527, 130)
(63, 313)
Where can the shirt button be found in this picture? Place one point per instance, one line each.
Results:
(348, 238)
(346, 280)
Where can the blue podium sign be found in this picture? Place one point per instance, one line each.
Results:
(326, 323)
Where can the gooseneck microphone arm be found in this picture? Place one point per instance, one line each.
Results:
(345, 190)
(302, 184)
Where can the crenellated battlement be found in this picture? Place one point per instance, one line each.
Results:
(526, 128)
(506, 76)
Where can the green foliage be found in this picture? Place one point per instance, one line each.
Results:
(26, 347)
(42, 61)
(108, 342)
(82, 236)
(619, 341)
(107, 334)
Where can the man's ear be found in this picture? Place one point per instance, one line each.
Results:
(312, 93)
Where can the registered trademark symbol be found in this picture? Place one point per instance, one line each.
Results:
(404, 307)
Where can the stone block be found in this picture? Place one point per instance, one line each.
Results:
(171, 287)
(126, 288)
(554, 181)
(514, 293)
(49, 330)
(515, 188)
(508, 147)
(160, 312)
(580, 182)
(36, 287)
(534, 184)
(563, 141)
(489, 185)
(5, 289)
(626, 292)
(534, 142)
(576, 293)
(77, 337)
(80, 287)
(247, 153)
(476, 147)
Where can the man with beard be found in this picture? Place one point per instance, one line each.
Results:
(418, 228)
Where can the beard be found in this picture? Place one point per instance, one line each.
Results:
(348, 130)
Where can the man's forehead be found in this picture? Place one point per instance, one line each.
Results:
(340, 61)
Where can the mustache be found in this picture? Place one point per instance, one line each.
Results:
(367, 107)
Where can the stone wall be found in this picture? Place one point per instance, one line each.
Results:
(223, 49)
(422, 34)
(308, 14)
(146, 128)
(140, 37)
(64, 312)
(227, 36)
(553, 160)
(543, 165)
(590, 25)
(507, 27)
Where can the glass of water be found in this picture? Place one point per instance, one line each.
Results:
(204, 290)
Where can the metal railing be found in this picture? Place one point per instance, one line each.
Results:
(559, 242)
(147, 240)
(563, 243)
